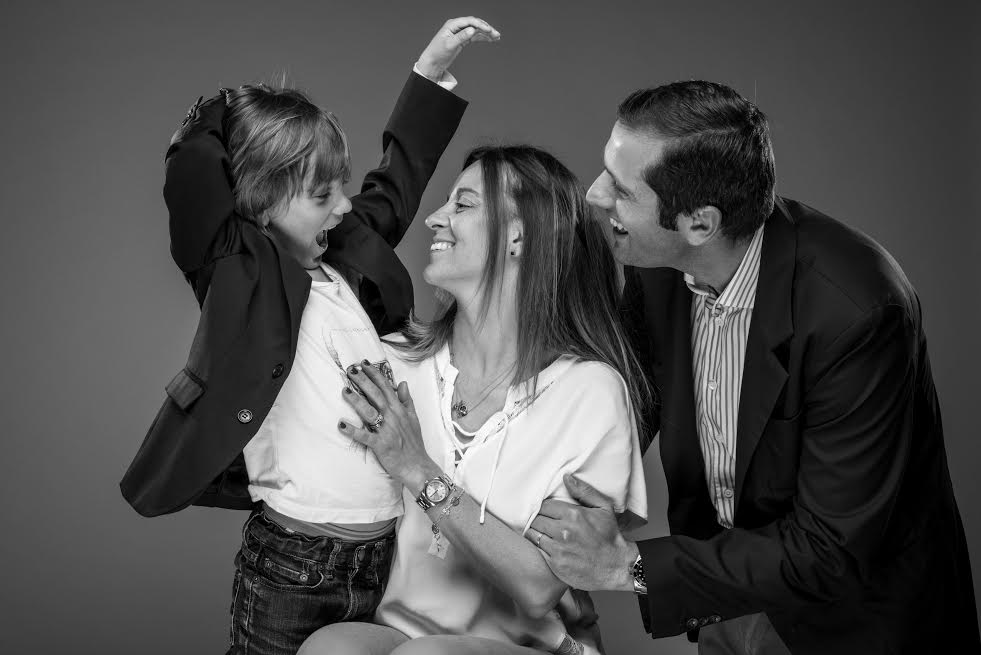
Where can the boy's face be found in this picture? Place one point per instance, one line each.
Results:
(301, 226)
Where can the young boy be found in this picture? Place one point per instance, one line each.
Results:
(263, 232)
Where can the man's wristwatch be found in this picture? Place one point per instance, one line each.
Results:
(637, 571)
(435, 491)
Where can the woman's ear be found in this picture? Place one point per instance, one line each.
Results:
(515, 238)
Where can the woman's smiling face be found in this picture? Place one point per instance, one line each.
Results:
(458, 254)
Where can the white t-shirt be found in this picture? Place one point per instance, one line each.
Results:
(581, 422)
(298, 462)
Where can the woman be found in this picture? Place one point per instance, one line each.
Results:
(518, 382)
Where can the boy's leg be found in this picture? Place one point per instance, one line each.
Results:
(288, 585)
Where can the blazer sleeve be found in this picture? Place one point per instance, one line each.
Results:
(856, 437)
(198, 187)
(421, 125)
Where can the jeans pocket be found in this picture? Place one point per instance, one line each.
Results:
(280, 570)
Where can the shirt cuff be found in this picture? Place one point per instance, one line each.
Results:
(447, 81)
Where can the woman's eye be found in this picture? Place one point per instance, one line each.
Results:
(461, 207)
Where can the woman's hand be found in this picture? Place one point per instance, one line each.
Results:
(391, 427)
(450, 40)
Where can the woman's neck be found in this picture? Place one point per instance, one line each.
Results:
(483, 345)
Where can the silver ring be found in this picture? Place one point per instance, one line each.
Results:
(538, 542)
(374, 425)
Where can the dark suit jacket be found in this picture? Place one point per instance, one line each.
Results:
(846, 530)
(252, 296)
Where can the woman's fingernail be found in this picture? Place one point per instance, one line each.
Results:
(354, 370)
(347, 390)
(365, 362)
(342, 425)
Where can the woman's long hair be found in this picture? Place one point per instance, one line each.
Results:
(568, 282)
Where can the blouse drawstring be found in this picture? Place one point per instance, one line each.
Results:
(497, 461)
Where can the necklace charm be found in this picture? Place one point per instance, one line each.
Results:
(459, 408)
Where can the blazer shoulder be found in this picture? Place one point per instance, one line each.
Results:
(845, 267)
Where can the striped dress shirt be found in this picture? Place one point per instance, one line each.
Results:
(720, 327)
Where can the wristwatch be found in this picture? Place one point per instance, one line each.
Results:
(637, 571)
(435, 491)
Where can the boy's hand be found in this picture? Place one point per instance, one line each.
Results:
(450, 41)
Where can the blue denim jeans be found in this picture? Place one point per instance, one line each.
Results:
(288, 585)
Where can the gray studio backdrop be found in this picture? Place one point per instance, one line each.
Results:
(874, 116)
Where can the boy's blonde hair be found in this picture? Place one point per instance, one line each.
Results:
(279, 141)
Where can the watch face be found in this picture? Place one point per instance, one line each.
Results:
(436, 490)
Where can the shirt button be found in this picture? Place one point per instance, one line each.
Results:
(244, 416)
(277, 370)
(712, 385)
(719, 320)
(727, 492)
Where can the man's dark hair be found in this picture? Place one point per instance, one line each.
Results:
(718, 153)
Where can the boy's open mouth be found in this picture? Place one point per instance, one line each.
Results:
(322, 239)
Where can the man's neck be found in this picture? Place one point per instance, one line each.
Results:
(714, 264)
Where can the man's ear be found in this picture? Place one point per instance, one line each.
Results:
(700, 226)
(515, 238)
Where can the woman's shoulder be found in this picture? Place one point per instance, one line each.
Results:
(593, 376)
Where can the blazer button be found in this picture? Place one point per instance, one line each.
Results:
(715, 618)
(244, 416)
(277, 370)
(692, 624)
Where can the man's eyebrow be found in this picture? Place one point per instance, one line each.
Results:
(616, 181)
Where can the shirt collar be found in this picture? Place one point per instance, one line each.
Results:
(740, 293)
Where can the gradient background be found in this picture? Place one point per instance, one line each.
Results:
(874, 114)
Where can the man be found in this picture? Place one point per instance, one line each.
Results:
(811, 508)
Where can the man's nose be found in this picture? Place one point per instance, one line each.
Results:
(598, 195)
(345, 206)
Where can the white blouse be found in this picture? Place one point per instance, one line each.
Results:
(580, 422)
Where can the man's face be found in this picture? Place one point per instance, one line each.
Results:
(628, 207)
(301, 226)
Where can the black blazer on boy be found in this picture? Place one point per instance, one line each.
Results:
(252, 295)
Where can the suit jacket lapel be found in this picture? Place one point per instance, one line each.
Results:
(296, 285)
(356, 246)
(764, 374)
(681, 453)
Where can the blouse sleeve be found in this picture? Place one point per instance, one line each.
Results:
(602, 442)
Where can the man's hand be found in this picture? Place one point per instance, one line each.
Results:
(582, 543)
(450, 40)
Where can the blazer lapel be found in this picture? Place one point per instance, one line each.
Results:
(681, 453)
(296, 285)
(764, 374)
(355, 246)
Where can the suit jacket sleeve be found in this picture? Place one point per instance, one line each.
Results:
(856, 433)
(199, 186)
(422, 124)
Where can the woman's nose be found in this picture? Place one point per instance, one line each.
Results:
(436, 220)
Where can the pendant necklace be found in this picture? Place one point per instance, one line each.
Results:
(461, 408)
